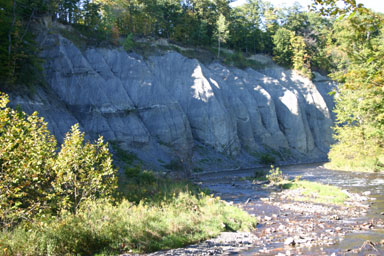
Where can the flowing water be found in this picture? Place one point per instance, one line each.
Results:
(233, 186)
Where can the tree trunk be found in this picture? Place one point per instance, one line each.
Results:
(10, 30)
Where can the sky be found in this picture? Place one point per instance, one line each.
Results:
(376, 5)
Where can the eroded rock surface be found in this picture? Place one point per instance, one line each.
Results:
(170, 107)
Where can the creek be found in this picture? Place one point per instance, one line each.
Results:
(315, 229)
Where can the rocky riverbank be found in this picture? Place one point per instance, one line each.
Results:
(289, 227)
(227, 243)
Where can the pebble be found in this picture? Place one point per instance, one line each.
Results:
(225, 243)
(290, 241)
(335, 217)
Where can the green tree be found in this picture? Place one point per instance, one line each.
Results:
(26, 155)
(19, 63)
(91, 15)
(222, 32)
(35, 179)
(358, 50)
(84, 171)
(300, 57)
(282, 49)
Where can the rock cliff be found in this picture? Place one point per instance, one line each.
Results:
(169, 107)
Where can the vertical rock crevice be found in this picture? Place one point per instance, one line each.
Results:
(165, 105)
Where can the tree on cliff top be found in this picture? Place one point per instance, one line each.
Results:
(222, 32)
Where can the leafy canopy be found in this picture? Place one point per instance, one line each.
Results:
(35, 179)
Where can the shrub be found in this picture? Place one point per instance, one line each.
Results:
(83, 171)
(359, 154)
(35, 179)
(174, 165)
(26, 155)
(275, 175)
(143, 185)
(267, 159)
(128, 43)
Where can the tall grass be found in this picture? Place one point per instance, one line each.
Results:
(317, 192)
(100, 227)
(154, 213)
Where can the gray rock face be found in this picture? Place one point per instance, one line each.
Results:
(165, 107)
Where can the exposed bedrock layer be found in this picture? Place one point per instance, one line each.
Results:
(171, 107)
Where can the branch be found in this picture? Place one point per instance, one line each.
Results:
(10, 30)
(29, 23)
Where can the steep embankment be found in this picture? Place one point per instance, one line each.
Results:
(169, 107)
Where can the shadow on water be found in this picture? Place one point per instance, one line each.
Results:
(234, 186)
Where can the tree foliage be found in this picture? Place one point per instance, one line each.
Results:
(36, 179)
(222, 32)
(255, 27)
(282, 50)
(300, 57)
(18, 61)
(84, 171)
(26, 155)
(358, 50)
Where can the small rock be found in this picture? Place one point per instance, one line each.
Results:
(290, 241)
(366, 193)
(267, 218)
(368, 245)
(382, 213)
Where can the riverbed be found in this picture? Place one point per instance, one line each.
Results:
(299, 228)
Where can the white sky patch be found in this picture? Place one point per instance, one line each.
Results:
(376, 5)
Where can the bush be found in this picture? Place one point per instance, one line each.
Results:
(84, 171)
(143, 185)
(128, 44)
(35, 179)
(354, 152)
(267, 159)
(275, 175)
(26, 156)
